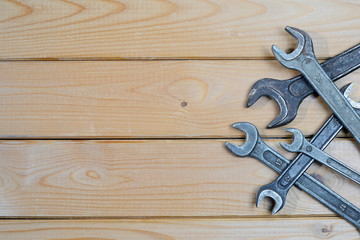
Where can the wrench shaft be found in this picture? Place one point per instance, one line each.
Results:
(328, 91)
(329, 161)
(336, 68)
(308, 184)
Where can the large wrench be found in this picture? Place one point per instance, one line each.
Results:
(256, 148)
(279, 188)
(303, 59)
(300, 144)
(289, 94)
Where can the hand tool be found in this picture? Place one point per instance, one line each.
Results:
(281, 185)
(289, 94)
(303, 60)
(256, 148)
(300, 144)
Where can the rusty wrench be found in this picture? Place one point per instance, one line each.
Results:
(289, 94)
(300, 144)
(303, 59)
(279, 188)
(256, 148)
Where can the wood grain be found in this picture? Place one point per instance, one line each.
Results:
(136, 99)
(180, 229)
(149, 178)
(138, 29)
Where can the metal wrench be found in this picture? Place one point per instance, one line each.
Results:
(281, 185)
(256, 148)
(289, 94)
(303, 59)
(300, 144)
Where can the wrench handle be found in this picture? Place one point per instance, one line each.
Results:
(329, 161)
(330, 199)
(328, 91)
(336, 68)
(308, 184)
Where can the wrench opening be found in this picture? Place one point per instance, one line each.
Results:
(295, 33)
(251, 136)
(273, 89)
(278, 202)
(298, 140)
(304, 48)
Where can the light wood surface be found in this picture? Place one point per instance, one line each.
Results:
(144, 99)
(114, 115)
(129, 29)
(149, 178)
(181, 229)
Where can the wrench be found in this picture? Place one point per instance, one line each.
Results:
(281, 185)
(256, 148)
(289, 94)
(300, 144)
(303, 60)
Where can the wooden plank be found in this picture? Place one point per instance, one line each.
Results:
(79, 29)
(135, 99)
(243, 228)
(149, 178)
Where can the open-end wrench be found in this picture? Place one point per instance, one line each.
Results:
(303, 59)
(256, 148)
(289, 94)
(300, 144)
(281, 185)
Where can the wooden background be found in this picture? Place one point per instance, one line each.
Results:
(114, 114)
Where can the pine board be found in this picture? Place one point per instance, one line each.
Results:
(144, 99)
(176, 29)
(128, 178)
(180, 229)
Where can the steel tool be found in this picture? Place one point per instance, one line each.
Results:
(289, 94)
(256, 148)
(281, 185)
(300, 144)
(303, 60)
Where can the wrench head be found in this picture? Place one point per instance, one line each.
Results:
(278, 91)
(298, 140)
(263, 192)
(251, 137)
(304, 48)
(347, 90)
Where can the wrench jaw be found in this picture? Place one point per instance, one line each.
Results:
(273, 89)
(267, 87)
(251, 137)
(303, 49)
(347, 96)
(263, 192)
(298, 140)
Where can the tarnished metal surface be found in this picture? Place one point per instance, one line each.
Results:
(303, 60)
(289, 94)
(256, 148)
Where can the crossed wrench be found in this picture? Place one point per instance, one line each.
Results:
(301, 145)
(256, 148)
(289, 94)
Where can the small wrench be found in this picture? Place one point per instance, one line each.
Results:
(256, 148)
(289, 94)
(303, 59)
(281, 185)
(300, 144)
